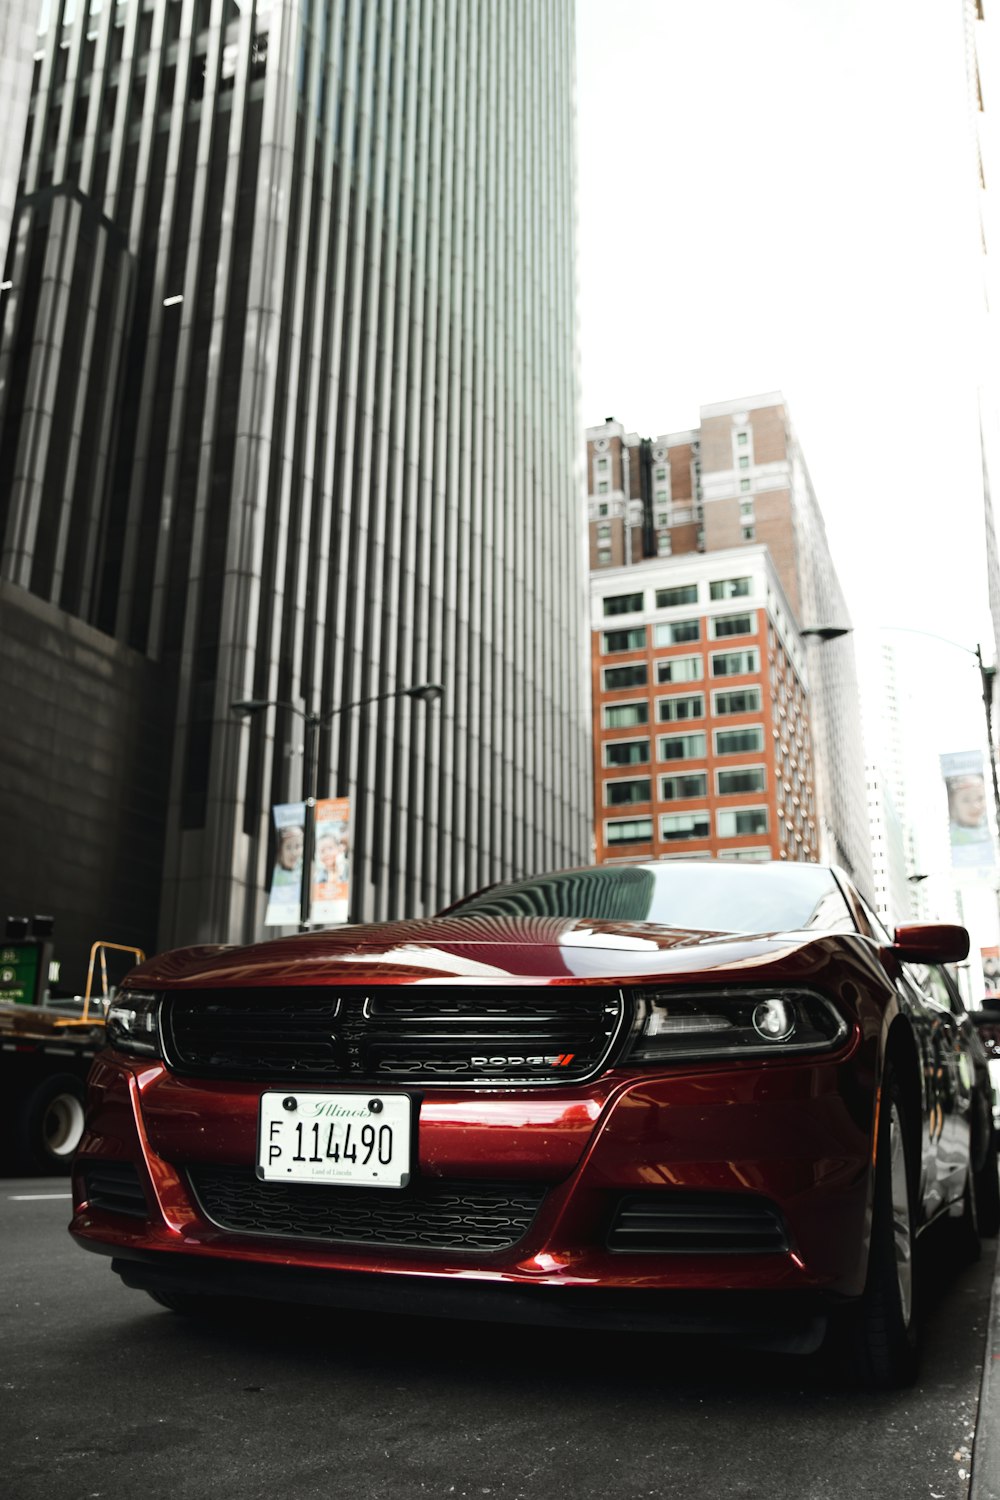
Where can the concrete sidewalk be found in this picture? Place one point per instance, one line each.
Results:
(985, 1481)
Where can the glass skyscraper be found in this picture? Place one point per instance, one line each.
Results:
(287, 411)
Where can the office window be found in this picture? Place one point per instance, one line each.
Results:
(663, 519)
(626, 753)
(676, 632)
(622, 604)
(603, 555)
(679, 669)
(741, 439)
(602, 486)
(602, 464)
(731, 588)
(686, 593)
(632, 675)
(693, 825)
(744, 779)
(681, 747)
(735, 663)
(739, 741)
(744, 485)
(724, 625)
(661, 475)
(688, 706)
(664, 547)
(621, 793)
(754, 856)
(625, 715)
(748, 533)
(737, 701)
(628, 830)
(744, 461)
(623, 640)
(604, 531)
(675, 788)
(746, 510)
(737, 822)
(602, 509)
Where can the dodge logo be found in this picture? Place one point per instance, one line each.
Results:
(560, 1060)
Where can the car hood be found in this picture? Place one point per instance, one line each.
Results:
(492, 949)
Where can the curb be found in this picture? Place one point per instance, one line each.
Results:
(985, 1481)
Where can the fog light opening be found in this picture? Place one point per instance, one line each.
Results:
(774, 1020)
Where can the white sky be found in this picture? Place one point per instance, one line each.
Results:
(781, 195)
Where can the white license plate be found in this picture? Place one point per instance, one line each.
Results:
(359, 1140)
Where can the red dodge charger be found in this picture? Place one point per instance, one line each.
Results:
(668, 1097)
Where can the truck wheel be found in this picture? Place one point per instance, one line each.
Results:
(49, 1124)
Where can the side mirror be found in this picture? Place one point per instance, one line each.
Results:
(931, 943)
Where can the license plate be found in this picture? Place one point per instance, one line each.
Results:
(357, 1140)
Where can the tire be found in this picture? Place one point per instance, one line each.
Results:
(882, 1326)
(987, 1190)
(965, 1230)
(49, 1125)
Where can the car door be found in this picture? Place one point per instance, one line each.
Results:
(949, 1079)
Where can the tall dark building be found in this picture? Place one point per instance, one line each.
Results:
(287, 411)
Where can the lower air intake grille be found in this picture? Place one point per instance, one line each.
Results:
(697, 1224)
(114, 1186)
(432, 1216)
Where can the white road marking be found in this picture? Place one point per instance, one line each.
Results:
(34, 1197)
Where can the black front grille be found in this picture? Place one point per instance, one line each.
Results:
(402, 1033)
(431, 1216)
(696, 1223)
(114, 1186)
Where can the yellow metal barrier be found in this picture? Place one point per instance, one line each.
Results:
(103, 948)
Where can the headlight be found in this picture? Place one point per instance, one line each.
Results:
(133, 1023)
(733, 1023)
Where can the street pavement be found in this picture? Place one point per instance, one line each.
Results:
(103, 1396)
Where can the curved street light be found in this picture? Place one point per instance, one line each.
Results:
(247, 708)
(986, 678)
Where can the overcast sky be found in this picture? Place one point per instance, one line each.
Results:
(780, 195)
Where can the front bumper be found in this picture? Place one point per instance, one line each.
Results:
(796, 1134)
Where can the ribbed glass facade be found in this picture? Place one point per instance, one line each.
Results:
(287, 405)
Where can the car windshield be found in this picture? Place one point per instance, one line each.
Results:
(710, 897)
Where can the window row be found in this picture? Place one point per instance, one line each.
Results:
(730, 823)
(678, 707)
(680, 594)
(679, 632)
(740, 782)
(685, 746)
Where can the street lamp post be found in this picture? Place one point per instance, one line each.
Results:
(986, 677)
(246, 708)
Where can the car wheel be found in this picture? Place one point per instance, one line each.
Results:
(49, 1124)
(965, 1230)
(987, 1190)
(883, 1329)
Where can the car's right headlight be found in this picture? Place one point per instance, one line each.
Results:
(675, 1025)
(132, 1023)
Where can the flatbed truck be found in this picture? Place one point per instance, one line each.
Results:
(46, 1049)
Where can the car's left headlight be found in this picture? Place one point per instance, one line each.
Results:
(677, 1025)
(132, 1023)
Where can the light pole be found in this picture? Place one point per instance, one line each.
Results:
(986, 676)
(246, 708)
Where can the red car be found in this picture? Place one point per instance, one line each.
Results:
(662, 1096)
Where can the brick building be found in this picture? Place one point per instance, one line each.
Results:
(702, 742)
(738, 484)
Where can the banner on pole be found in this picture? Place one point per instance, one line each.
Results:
(332, 862)
(968, 828)
(284, 903)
